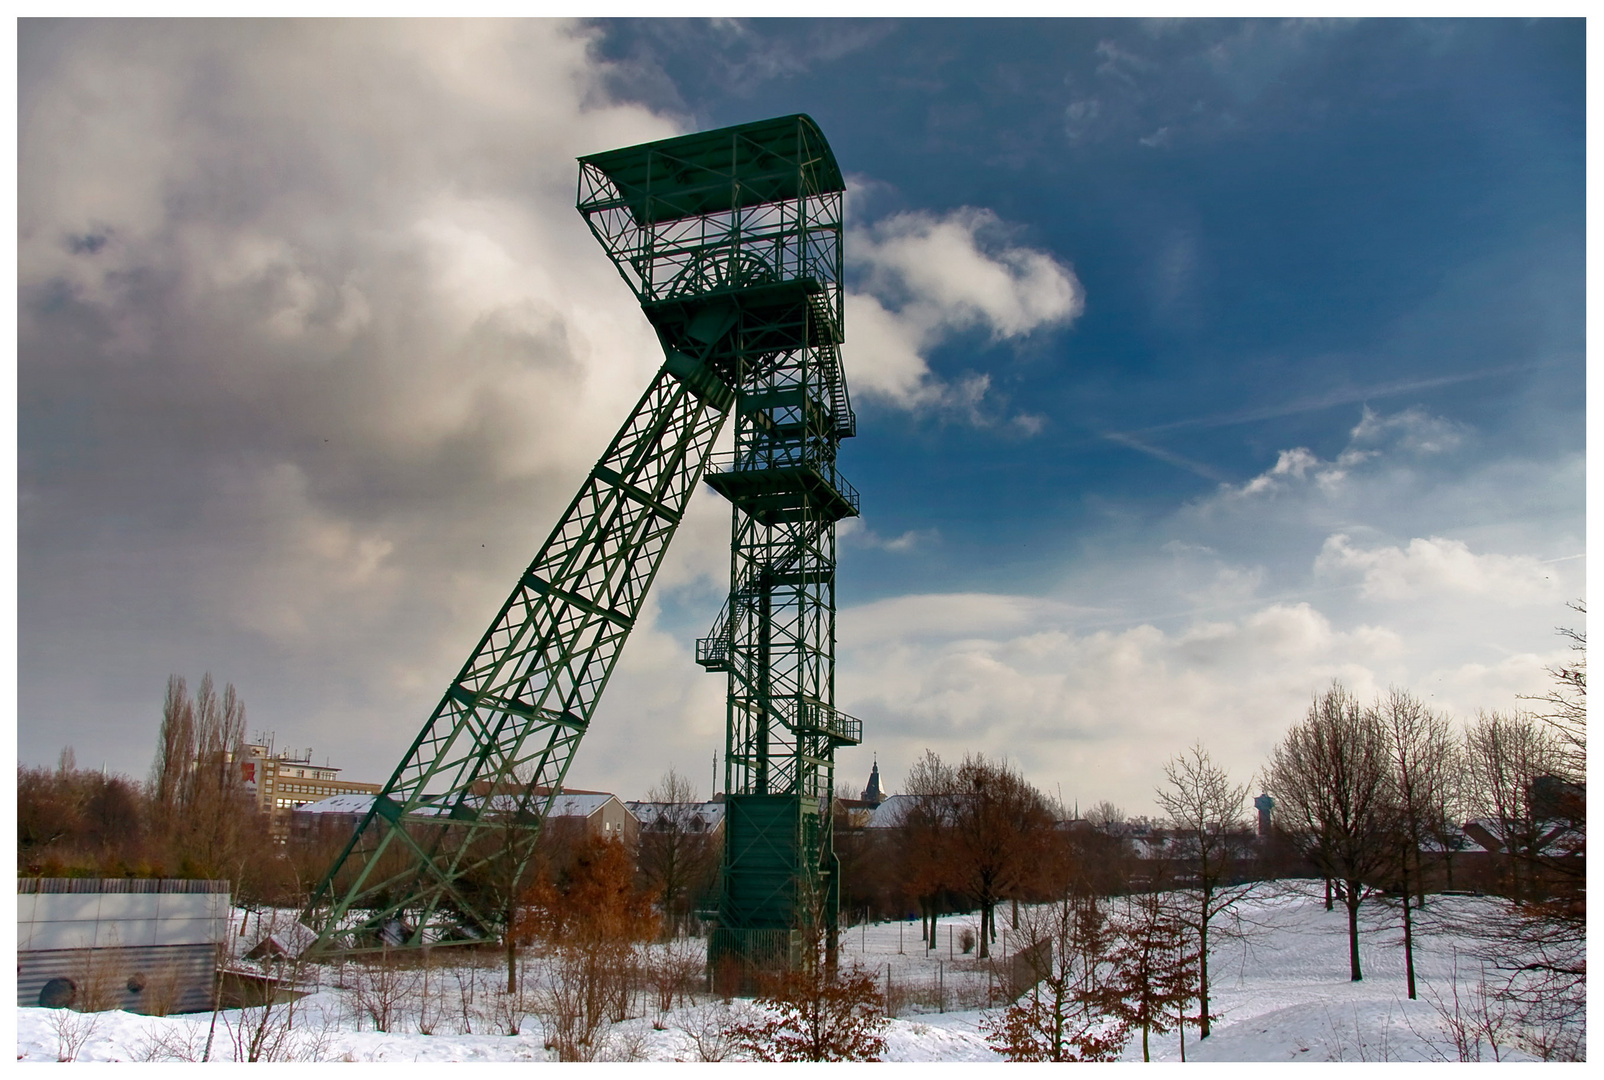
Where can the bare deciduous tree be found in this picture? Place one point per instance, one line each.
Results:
(1539, 944)
(1422, 764)
(175, 747)
(1329, 780)
(921, 854)
(676, 856)
(1205, 811)
(1565, 706)
(201, 809)
(1105, 814)
(1000, 832)
(1508, 756)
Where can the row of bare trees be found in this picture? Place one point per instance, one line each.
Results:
(191, 818)
(1370, 792)
(1374, 794)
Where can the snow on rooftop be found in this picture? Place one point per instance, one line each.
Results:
(338, 804)
(889, 814)
(647, 813)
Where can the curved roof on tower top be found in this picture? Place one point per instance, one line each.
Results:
(712, 171)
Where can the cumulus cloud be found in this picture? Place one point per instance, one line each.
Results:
(1098, 710)
(1016, 675)
(1410, 433)
(1434, 565)
(922, 278)
(313, 349)
(1413, 430)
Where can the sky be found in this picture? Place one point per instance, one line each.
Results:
(1197, 364)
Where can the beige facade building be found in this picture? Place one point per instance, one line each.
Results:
(282, 780)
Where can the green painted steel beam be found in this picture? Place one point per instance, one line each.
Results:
(731, 240)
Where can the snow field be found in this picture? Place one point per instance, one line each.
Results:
(1279, 981)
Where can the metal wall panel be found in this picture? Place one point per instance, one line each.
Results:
(170, 979)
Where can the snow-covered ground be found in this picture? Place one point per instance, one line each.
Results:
(1282, 990)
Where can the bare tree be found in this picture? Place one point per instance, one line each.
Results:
(1509, 757)
(175, 752)
(922, 854)
(1422, 762)
(1329, 780)
(1205, 810)
(676, 856)
(200, 809)
(1105, 814)
(1001, 833)
(1539, 943)
(1566, 702)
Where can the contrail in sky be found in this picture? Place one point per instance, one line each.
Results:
(1340, 397)
(1208, 472)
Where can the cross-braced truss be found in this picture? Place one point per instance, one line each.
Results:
(731, 240)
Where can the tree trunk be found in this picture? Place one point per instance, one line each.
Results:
(1203, 978)
(512, 963)
(1328, 894)
(1352, 900)
(1420, 879)
(985, 923)
(1409, 947)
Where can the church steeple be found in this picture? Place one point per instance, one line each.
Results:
(872, 793)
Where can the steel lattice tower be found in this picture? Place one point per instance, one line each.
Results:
(731, 241)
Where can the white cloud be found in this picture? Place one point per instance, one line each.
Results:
(1436, 565)
(1412, 433)
(925, 277)
(853, 532)
(1092, 709)
(1098, 711)
(1412, 430)
(333, 350)
(339, 350)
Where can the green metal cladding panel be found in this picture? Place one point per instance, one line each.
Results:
(762, 832)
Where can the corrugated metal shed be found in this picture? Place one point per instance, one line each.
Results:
(146, 946)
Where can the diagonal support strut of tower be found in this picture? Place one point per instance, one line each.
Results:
(731, 241)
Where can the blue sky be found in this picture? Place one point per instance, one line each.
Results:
(1197, 363)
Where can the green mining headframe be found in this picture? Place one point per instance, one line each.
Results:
(731, 240)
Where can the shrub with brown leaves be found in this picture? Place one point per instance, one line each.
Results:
(814, 1016)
